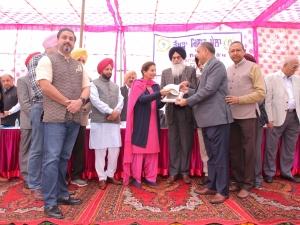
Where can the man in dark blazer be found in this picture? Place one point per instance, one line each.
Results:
(25, 100)
(213, 115)
(129, 77)
(179, 119)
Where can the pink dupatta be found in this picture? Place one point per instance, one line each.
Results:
(138, 87)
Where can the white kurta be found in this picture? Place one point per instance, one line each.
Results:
(104, 135)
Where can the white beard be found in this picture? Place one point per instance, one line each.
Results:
(177, 68)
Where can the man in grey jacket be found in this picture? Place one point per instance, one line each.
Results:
(213, 115)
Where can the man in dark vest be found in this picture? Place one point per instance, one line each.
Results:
(129, 77)
(10, 99)
(66, 87)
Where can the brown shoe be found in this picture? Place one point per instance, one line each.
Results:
(205, 191)
(102, 184)
(37, 194)
(218, 198)
(113, 180)
(171, 179)
(203, 181)
(233, 188)
(243, 193)
(186, 179)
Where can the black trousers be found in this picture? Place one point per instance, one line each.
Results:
(78, 154)
(181, 139)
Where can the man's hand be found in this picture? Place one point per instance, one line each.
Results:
(114, 115)
(6, 113)
(74, 105)
(270, 125)
(231, 100)
(184, 87)
(181, 102)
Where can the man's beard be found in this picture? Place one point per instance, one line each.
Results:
(66, 47)
(177, 68)
(106, 76)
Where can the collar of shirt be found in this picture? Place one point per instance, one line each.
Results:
(284, 76)
(67, 58)
(243, 60)
(205, 63)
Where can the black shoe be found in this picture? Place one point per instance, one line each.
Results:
(268, 179)
(68, 201)
(53, 212)
(293, 179)
(26, 185)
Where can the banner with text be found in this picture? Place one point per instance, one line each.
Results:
(221, 41)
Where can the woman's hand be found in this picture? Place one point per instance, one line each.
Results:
(164, 92)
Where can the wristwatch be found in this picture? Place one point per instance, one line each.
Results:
(83, 100)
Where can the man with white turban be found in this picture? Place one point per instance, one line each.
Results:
(105, 135)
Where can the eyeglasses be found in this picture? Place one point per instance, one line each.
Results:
(295, 66)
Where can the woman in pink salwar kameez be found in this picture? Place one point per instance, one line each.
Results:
(142, 129)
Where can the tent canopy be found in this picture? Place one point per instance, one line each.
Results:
(148, 15)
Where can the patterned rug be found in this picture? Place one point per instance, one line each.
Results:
(276, 203)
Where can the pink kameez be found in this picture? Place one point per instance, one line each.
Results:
(146, 159)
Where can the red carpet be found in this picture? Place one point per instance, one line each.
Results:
(165, 204)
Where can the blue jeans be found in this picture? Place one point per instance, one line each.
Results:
(37, 146)
(58, 144)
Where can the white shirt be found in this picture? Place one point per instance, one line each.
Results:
(15, 108)
(128, 89)
(289, 87)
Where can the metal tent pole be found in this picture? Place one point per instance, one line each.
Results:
(82, 23)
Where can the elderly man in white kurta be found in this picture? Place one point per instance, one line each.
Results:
(105, 135)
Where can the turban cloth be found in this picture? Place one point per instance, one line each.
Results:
(50, 41)
(249, 57)
(129, 73)
(181, 51)
(78, 53)
(29, 57)
(104, 63)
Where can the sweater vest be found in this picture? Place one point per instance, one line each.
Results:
(239, 84)
(67, 79)
(108, 93)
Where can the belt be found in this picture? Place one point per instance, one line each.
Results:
(38, 103)
(291, 110)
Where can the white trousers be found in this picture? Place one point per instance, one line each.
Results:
(203, 152)
(112, 160)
